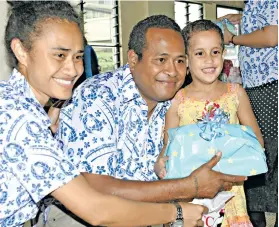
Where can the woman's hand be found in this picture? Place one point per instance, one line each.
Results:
(192, 214)
(227, 35)
(233, 18)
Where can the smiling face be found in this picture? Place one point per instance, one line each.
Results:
(205, 56)
(54, 63)
(162, 69)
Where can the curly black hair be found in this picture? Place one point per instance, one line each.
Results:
(26, 21)
(137, 40)
(199, 26)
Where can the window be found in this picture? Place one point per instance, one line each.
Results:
(185, 12)
(222, 11)
(101, 30)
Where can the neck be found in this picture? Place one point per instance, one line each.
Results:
(199, 86)
(40, 96)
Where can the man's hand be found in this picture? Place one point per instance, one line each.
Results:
(208, 182)
(233, 18)
(192, 214)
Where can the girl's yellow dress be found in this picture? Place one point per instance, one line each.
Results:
(189, 110)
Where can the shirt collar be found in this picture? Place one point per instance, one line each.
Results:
(22, 88)
(129, 87)
(131, 92)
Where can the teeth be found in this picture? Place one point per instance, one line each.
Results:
(66, 82)
(208, 70)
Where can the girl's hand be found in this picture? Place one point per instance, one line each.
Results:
(160, 167)
(233, 18)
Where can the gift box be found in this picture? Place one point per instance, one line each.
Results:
(228, 24)
(191, 146)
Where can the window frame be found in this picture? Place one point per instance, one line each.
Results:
(227, 7)
(187, 6)
(117, 46)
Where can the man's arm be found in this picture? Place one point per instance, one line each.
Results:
(100, 209)
(89, 131)
(203, 183)
(152, 191)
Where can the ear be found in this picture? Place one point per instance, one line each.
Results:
(19, 51)
(132, 59)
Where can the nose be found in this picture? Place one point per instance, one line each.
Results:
(171, 69)
(208, 58)
(71, 68)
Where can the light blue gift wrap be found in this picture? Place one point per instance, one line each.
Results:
(192, 145)
(229, 25)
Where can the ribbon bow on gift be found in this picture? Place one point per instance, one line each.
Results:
(212, 120)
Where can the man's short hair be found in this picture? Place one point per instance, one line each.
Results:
(137, 40)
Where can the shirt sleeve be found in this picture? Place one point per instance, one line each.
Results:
(34, 157)
(270, 12)
(88, 130)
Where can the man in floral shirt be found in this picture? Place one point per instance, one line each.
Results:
(113, 129)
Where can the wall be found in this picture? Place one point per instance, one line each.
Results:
(132, 12)
(4, 69)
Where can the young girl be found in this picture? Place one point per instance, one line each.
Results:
(205, 51)
(45, 44)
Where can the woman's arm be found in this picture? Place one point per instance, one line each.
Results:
(246, 115)
(108, 210)
(262, 38)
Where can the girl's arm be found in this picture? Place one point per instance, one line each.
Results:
(172, 121)
(246, 115)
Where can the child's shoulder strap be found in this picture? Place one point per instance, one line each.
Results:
(180, 95)
(233, 88)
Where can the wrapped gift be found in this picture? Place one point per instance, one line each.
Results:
(193, 145)
(229, 25)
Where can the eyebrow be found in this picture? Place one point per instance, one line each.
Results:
(66, 49)
(202, 48)
(180, 56)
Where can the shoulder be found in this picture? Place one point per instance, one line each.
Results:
(11, 103)
(101, 85)
(241, 91)
(177, 100)
(237, 90)
(233, 87)
(179, 96)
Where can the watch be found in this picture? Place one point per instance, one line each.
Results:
(179, 216)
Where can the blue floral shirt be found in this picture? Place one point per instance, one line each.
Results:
(31, 162)
(105, 130)
(258, 65)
